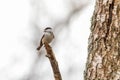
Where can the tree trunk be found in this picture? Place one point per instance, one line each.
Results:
(103, 62)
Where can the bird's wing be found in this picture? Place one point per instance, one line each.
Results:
(41, 40)
(53, 35)
(41, 44)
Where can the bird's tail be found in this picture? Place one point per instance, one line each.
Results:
(39, 48)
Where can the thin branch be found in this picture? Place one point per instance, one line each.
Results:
(53, 62)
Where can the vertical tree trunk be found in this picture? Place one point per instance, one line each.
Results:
(103, 62)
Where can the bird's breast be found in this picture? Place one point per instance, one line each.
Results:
(48, 38)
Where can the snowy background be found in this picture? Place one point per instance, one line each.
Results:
(21, 27)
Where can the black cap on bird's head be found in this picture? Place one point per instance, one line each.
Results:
(47, 29)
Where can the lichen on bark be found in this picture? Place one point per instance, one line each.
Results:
(103, 62)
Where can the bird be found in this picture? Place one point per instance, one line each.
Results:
(48, 36)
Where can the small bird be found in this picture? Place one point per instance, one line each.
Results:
(48, 37)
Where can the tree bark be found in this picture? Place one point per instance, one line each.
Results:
(103, 62)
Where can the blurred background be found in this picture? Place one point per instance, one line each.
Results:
(21, 27)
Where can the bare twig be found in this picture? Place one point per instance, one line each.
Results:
(53, 62)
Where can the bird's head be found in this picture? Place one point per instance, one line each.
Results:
(48, 29)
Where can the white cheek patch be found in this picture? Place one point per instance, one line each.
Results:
(48, 30)
(47, 33)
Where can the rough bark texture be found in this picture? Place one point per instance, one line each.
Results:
(53, 62)
(103, 61)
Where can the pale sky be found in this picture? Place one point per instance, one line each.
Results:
(17, 52)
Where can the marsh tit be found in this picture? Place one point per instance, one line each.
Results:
(48, 36)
